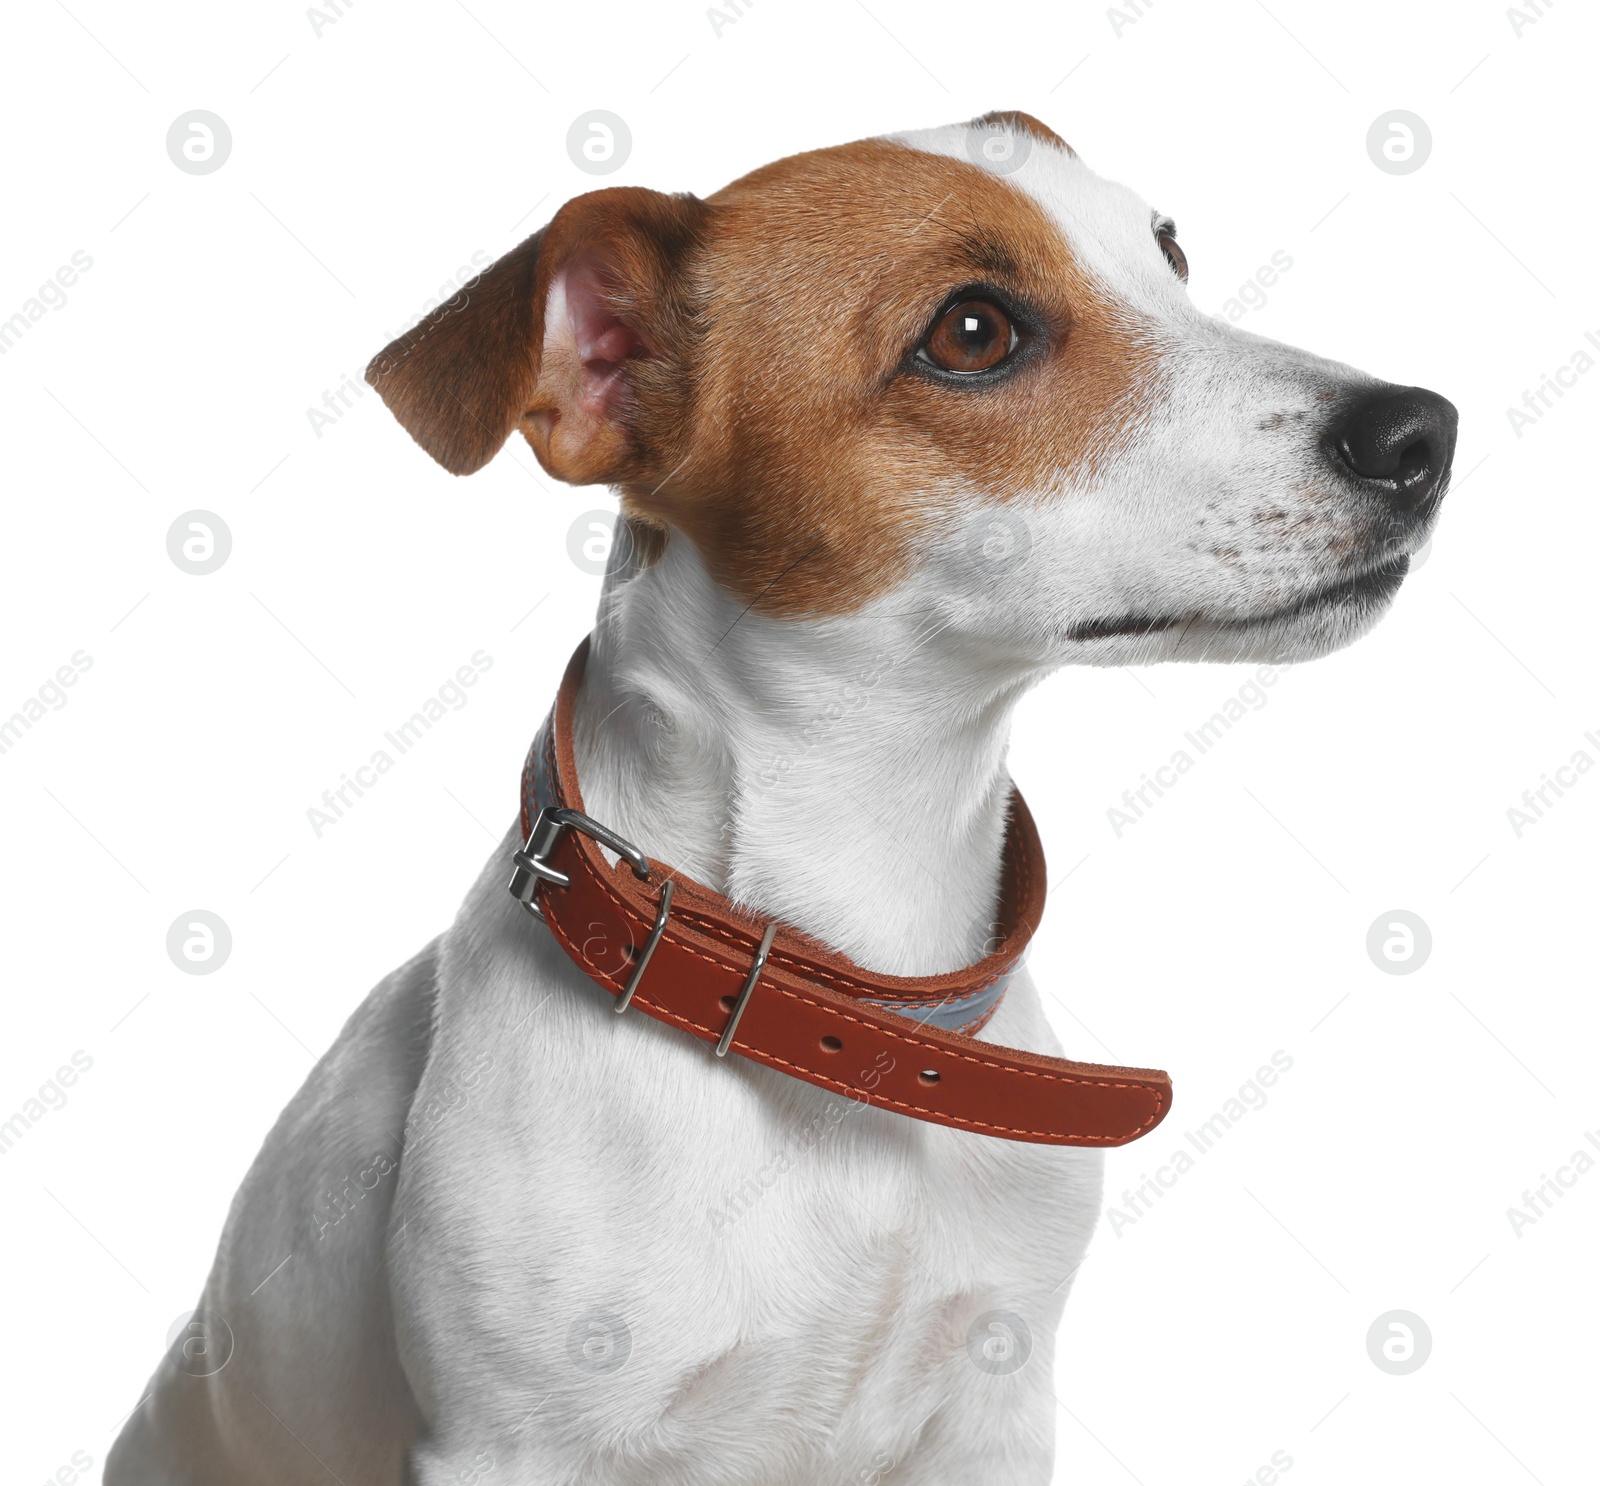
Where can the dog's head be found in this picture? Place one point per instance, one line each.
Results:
(956, 359)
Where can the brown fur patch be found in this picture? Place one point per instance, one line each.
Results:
(811, 460)
(772, 414)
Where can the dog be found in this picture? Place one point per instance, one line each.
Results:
(899, 428)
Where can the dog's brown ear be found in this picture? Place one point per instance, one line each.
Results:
(575, 336)
(459, 380)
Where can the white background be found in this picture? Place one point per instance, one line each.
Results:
(368, 164)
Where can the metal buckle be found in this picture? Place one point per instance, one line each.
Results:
(531, 869)
(530, 864)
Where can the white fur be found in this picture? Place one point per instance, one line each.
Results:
(1221, 506)
(849, 777)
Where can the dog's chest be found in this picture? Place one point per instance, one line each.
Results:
(668, 1249)
(840, 1295)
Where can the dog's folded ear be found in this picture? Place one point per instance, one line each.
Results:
(459, 380)
(577, 336)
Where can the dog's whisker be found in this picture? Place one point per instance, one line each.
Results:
(764, 592)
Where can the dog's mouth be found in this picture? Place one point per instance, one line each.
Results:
(1363, 592)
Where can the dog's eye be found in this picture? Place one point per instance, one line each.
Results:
(971, 337)
(1169, 246)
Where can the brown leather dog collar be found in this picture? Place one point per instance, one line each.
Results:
(672, 948)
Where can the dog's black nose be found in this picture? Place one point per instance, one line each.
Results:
(1400, 440)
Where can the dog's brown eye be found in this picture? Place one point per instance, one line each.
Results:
(972, 337)
(1169, 246)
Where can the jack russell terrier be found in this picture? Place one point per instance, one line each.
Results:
(898, 428)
